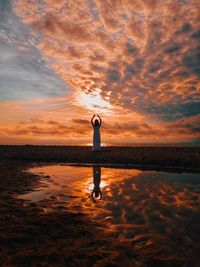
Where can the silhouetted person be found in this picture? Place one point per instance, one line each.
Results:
(96, 193)
(96, 135)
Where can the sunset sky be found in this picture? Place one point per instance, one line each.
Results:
(135, 62)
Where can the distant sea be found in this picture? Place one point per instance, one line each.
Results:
(197, 144)
(159, 145)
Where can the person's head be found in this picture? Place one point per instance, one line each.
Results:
(96, 194)
(96, 122)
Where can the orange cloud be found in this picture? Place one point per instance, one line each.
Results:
(138, 58)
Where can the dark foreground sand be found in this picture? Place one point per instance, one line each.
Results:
(31, 237)
(184, 157)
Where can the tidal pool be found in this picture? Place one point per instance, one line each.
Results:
(155, 211)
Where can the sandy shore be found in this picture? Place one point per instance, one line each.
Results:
(183, 157)
(31, 237)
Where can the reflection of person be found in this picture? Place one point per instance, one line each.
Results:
(96, 135)
(96, 193)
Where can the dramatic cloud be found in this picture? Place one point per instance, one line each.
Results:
(135, 62)
(23, 72)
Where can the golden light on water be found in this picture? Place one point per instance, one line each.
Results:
(89, 186)
(102, 144)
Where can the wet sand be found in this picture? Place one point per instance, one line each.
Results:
(30, 236)
(183, 157)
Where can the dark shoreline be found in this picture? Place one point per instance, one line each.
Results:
(187, 158)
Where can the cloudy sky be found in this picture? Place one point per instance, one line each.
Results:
(135, 62)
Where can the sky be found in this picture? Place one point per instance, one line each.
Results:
(134, 62)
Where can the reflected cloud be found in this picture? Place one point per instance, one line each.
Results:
(151, 211)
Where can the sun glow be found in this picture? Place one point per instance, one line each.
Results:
(89, 185)
(93, 101)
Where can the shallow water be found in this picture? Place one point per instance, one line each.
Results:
(155, 211)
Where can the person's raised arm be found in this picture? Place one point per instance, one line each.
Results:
(92, 120)
(99, 120)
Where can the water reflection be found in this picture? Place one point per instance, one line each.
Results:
(96, 192)
(152, 211)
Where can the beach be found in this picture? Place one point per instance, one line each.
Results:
(31, 236)
(177, 157)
